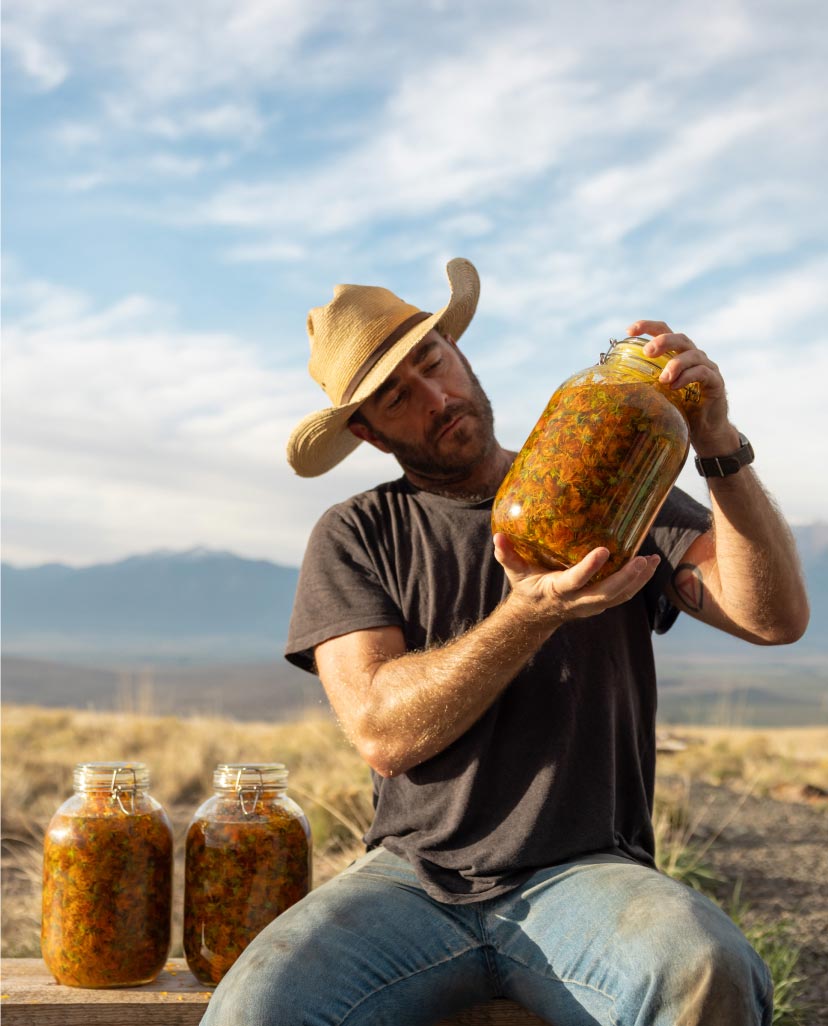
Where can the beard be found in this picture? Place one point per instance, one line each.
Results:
(470, 442)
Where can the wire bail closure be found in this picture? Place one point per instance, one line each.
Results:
(603, 357)
(255, 791)
(118, 791)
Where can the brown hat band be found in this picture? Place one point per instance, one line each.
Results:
(381, 349)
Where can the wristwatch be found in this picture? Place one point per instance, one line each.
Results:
(724, 466)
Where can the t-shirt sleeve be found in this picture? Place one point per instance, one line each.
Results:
(679, 522)
(338, 591)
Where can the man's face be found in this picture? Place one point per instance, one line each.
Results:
(431, 413)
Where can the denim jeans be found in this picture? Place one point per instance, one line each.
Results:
(602, 941)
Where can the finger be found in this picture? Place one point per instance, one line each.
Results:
(631, 578)
(578, 576)
(672, 342)
(688, 356)
(648, 328)
(687, 366)
(507, 557)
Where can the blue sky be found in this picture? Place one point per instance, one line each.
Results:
(183, 182)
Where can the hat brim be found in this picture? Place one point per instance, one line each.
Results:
(322, 439)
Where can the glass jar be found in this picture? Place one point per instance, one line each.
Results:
(598, 464)
(248, 858)
(107, 880)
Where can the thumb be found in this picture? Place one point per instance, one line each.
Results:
(505, 554)
(578, 576)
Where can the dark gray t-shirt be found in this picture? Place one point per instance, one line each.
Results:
(563, 763)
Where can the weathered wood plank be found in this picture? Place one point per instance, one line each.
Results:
(499, 1012)
(29, 996)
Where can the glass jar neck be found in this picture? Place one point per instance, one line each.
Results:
(111, 777)
(629, 352)
(628, 355)
(232, 778)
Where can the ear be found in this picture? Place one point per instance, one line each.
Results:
(365, 434)
(450, 339)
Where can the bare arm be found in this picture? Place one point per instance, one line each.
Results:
(744, 576)
(400, 708)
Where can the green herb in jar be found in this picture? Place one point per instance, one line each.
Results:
(107, 881)
(248, 859)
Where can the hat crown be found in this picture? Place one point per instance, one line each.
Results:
(345, 333)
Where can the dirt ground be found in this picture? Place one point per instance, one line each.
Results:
(778, 848)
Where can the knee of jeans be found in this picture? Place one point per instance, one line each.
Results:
(261, 989)
(723, 985)
(696, 959)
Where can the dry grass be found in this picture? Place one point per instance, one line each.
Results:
(327, 777)
(779, 763)
(42, 746)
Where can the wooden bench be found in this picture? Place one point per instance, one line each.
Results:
(29, 996)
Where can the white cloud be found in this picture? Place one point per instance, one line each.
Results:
(614, 202)
(123, 434)
(771, 315)
(160, 51)
(772, 401)
(75, 135)
(40, 63)
(174, 166)
(597, 161)
(120, 429)
(274, 251)
(456, 131)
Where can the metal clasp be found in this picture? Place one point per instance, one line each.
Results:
(256, 791)
(603, 357)
(118, 791)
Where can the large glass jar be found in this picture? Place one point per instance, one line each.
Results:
(248, 858)
(107, 880)
(598, 464)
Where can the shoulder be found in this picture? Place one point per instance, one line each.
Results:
(373, 504)
(378, 497)
(359, 523)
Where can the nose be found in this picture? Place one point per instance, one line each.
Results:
(432, 396)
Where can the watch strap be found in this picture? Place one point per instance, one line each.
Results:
(724, 466)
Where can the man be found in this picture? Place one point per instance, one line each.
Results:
(507, 712)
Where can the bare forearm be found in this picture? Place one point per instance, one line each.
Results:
(430, 698)
(748, 564)
(758, 575)
(401, 708)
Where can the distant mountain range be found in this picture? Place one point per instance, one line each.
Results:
(163, 607)
(184, 616)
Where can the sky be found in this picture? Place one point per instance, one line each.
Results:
(182, 182)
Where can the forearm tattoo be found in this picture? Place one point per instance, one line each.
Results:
(688, 584)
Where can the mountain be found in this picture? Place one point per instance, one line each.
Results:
(204, 631)
(161, 607)
(273, 690)
(208, 605)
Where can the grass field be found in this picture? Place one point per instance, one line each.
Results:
(41, 746)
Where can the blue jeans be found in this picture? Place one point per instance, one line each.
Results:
(602, 940)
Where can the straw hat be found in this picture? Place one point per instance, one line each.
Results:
(356, 341)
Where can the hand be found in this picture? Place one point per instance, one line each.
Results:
(560, 595)
(711, 433)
